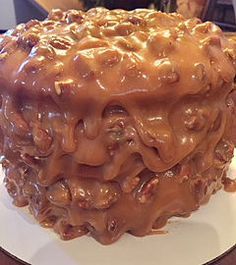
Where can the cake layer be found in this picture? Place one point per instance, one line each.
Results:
(115, 121)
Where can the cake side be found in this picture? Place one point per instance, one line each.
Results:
(114, 121)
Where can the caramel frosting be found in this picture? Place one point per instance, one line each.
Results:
(115, 121)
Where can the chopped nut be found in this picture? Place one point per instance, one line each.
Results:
(130, 184)
(204, 27)
(58, 88)
(112, 226)
(161, 43)
(195, 119)
(29, 40)
(127, 45)
(32, 23)
(42, 139)
(59, 194)
(135, 20)
(74, 16)
(55, 14)
(60, 43)
(224, 151)
(231, 53)
(147, 190)
(109, 57)
(124, 29)
(200, 72)
(166, 71)
(60, 85)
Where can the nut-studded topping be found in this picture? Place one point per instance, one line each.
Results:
(203, 28)
(29, 40)
(91, 194)
(43, 50)
(195, 119)
(56, 14)
(224, 151)
(231, 53)
(91, 43)
(58, 88)
(61, 85)
(200, 72)
(132, 70)
(32, 23)
(130, 184)
(127, 45)
(135, 20)
(166, 71)
(29, 189)
(161, 43)
(60, 43)
(112, 226)
(125, 29)
(74, 16)
(59, 194)
(147, 191)
(108, 57)
(183, 27)
(42, 139)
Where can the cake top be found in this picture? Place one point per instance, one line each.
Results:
(109, 54)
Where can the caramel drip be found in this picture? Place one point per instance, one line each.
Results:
(115, 121)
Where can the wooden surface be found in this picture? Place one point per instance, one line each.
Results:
(62, 4)
(228, 259)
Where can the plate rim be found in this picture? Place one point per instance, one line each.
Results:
(231, 249)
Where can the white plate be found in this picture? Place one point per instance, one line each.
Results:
(208, 233)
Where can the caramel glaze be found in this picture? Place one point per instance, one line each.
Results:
(115, 121)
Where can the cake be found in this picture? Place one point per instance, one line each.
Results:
(115, 121)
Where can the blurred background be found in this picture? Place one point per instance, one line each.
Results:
(222, 12)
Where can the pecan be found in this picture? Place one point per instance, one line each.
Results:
(59, 194)
(91, 194)
(161, 43)
(135, 20)
(28, 40)
(109, 57)
(166, 71)
(200, 72)
(56, 14)
(130, 184)
(112, 226)
(32, 23)
(147, 190)
(224, 151)
(125, 29)
(74, 16)
(60, 43)
(195, 119)
(42, 139)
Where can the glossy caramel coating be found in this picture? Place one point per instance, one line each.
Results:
(114, 121)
